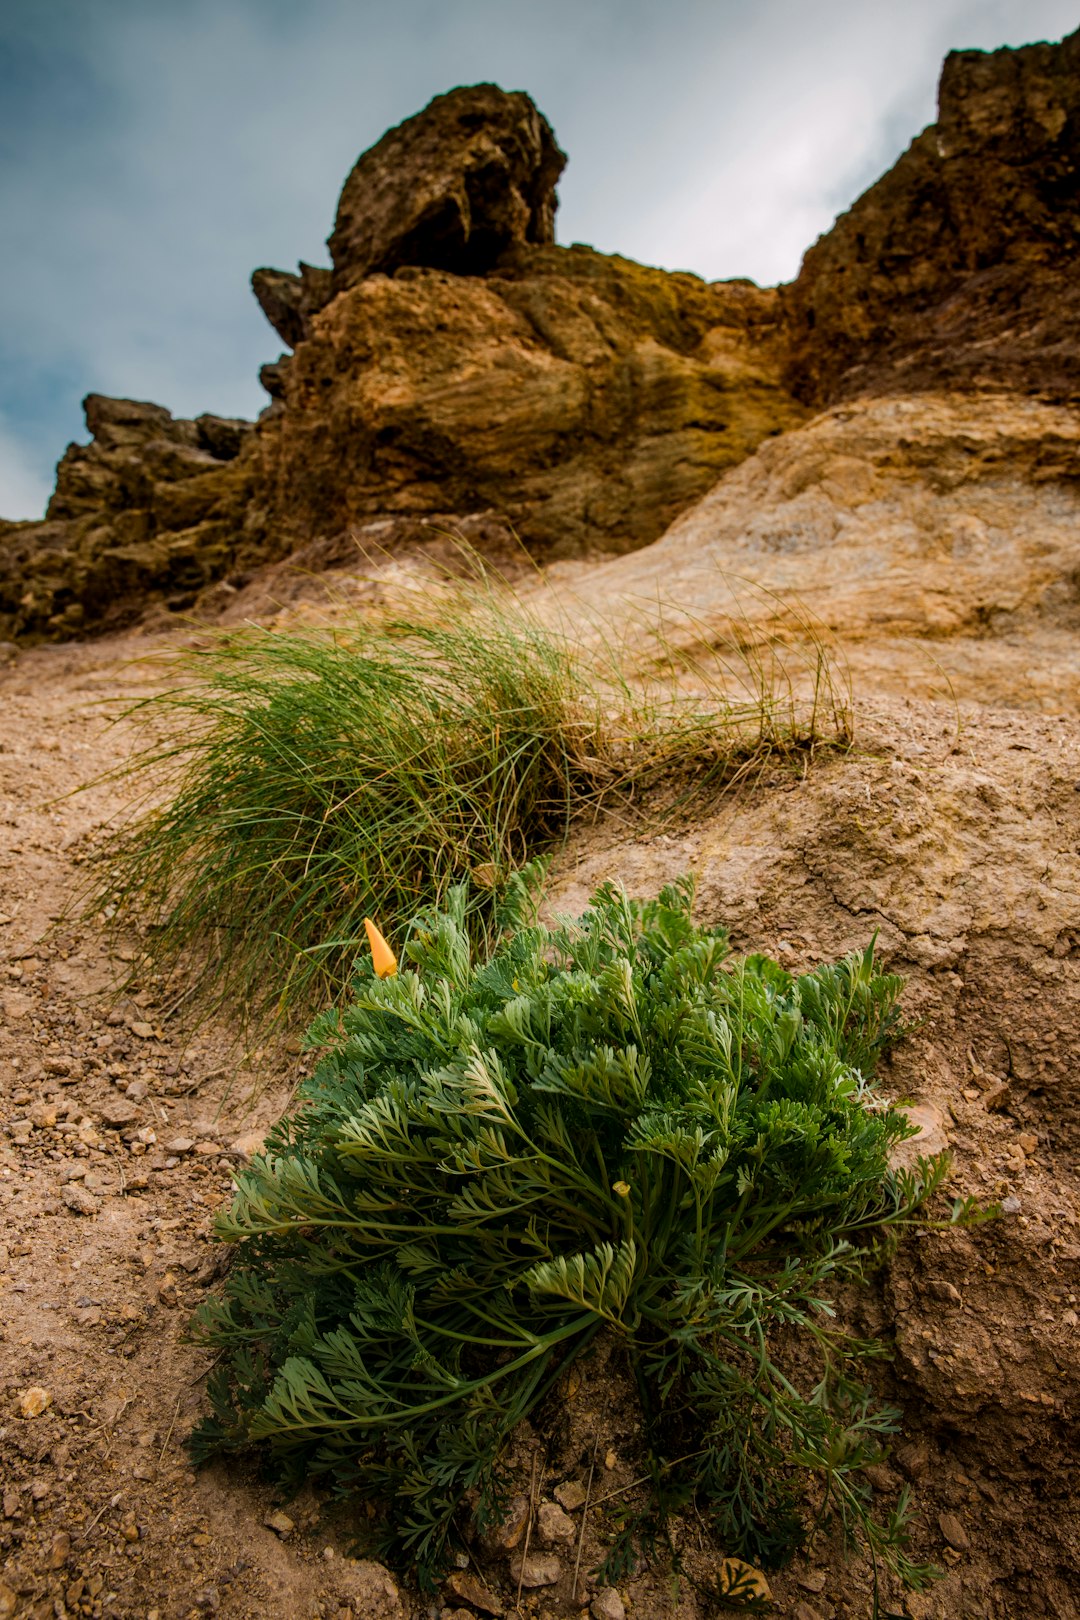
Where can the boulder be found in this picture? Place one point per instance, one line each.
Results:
(451, 188)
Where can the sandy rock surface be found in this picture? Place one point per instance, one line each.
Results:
(935, 535)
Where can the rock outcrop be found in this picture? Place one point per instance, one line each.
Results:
(290, 300)
(452, 189)
(958, 268)
(934, 537)
(152, 510)
(455, 370)
(583, 399)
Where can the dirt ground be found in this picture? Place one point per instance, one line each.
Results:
(955, 834)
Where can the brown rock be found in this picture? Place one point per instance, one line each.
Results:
(279, 1523)
(957, 268)
(813, 1580)
(571, 1494)
(471, 1590)
(117, 532)
(273, 375)
(116, 1112)
(248, 1144)
(607, 1605)
(451, 188)
(289, 301)
(60, 1550)
(930, 1135)
(953, 1532)
(79, 1200)
(579, 400)
(738, 1579)
(555, 1527)
(538, 1569)
(913, 1459)
(371, 1590)
(33, 1401)
(506, 1536)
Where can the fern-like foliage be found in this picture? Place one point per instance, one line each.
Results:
(608, 1124)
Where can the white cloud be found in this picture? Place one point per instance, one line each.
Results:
(24, 488)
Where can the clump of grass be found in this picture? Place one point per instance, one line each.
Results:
(607, 1126)
(299, 780)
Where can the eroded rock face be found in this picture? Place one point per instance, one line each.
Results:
(934, 535)
(584, 398)
(959, 267)
(452, 188)
(151, 510)
(290, 300)
(456, 370)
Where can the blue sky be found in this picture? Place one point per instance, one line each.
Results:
(154, 152)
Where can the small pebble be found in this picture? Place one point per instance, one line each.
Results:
(78, 1200)
(555, 1527)
(33, 1401)
(570, 1494)
(539, 1569)
(953, 1532)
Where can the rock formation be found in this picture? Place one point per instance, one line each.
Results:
(936, 538)
(583, 400)
(455, 369)
(959, 267)
(152, 509)
(453, 188)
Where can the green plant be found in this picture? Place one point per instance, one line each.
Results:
(609, 1125)
(300, 780)
(295, 781)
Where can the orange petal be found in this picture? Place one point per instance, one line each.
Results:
(383, 959)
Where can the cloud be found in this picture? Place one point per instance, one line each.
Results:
(24, 488)
(152, 156)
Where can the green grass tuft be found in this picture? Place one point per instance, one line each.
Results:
(298, 781)
(608, 1126)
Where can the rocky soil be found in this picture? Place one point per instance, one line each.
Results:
(953, 831)
(898, 438)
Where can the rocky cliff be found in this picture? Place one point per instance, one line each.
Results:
(454, 369)
(959, 267)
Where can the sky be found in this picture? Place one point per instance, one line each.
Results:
(154, 152)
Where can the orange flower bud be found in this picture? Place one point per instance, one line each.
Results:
(383, 959)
